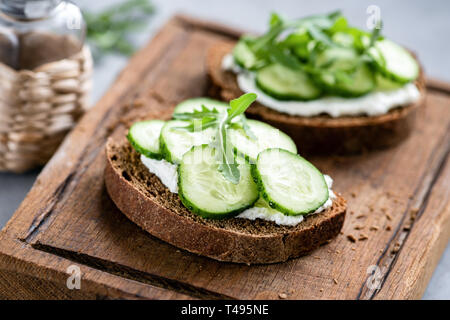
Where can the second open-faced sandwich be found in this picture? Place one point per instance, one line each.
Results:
(214, 183)
(330, 86)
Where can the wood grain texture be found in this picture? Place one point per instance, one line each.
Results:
(67, 218)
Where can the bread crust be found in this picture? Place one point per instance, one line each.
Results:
(171, 223)
(321, 134)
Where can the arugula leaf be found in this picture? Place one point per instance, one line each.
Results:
(239, 105)
(198, 124)
(222, 121)
(298, 43)
(299, 37)
(340, 25)
(270, 48)
(333, 15)
(258, 44)
(228, 166)
(275, 20)
(375, 33)
(248, 131)
(284, 57)
(196, 114)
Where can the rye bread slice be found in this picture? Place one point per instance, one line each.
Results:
(142, 197)
(320, 134)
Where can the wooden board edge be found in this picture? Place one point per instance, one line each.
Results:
(179, 19)
(209, 26)
(429, 191)
(438, 85)
(19, 263)
(415, 279)
(21, 286)
(432, 261)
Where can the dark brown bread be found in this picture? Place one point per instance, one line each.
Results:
(142, 197)
(320, 134)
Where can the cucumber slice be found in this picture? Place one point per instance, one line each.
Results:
(289, 183)
(190, 105)
(176, 142)
(394, 62)
(344, 76)
(386, 84)
(337, 58)
(356, 83)
(266, 137)
(204, 190)
(283, 83)
(243, 56)
(144, 137)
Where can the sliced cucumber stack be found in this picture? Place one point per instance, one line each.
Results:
(175, 142)
(204, 190)
(286, 84)
(289, 183)
(144, 137)
(394, 61)
(190, 105)
(306, 58)
(266, 137)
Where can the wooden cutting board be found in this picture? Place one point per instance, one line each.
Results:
(398, 205)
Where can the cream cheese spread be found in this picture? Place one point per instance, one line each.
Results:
(372, 104)
(167, 173)
(164, 170)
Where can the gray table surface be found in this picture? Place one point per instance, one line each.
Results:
(423, 26)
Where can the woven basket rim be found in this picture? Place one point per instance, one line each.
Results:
(82, 53)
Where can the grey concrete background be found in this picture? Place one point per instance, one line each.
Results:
(423, 26)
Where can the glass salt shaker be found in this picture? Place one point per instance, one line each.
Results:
(35, 32)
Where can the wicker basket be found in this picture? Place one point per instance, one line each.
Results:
(38, 108)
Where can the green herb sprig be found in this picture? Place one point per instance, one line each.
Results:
(298, 43)
(109, 31)
(222, 121)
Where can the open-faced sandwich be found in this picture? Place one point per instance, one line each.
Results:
(216, 184)
(330, 86)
